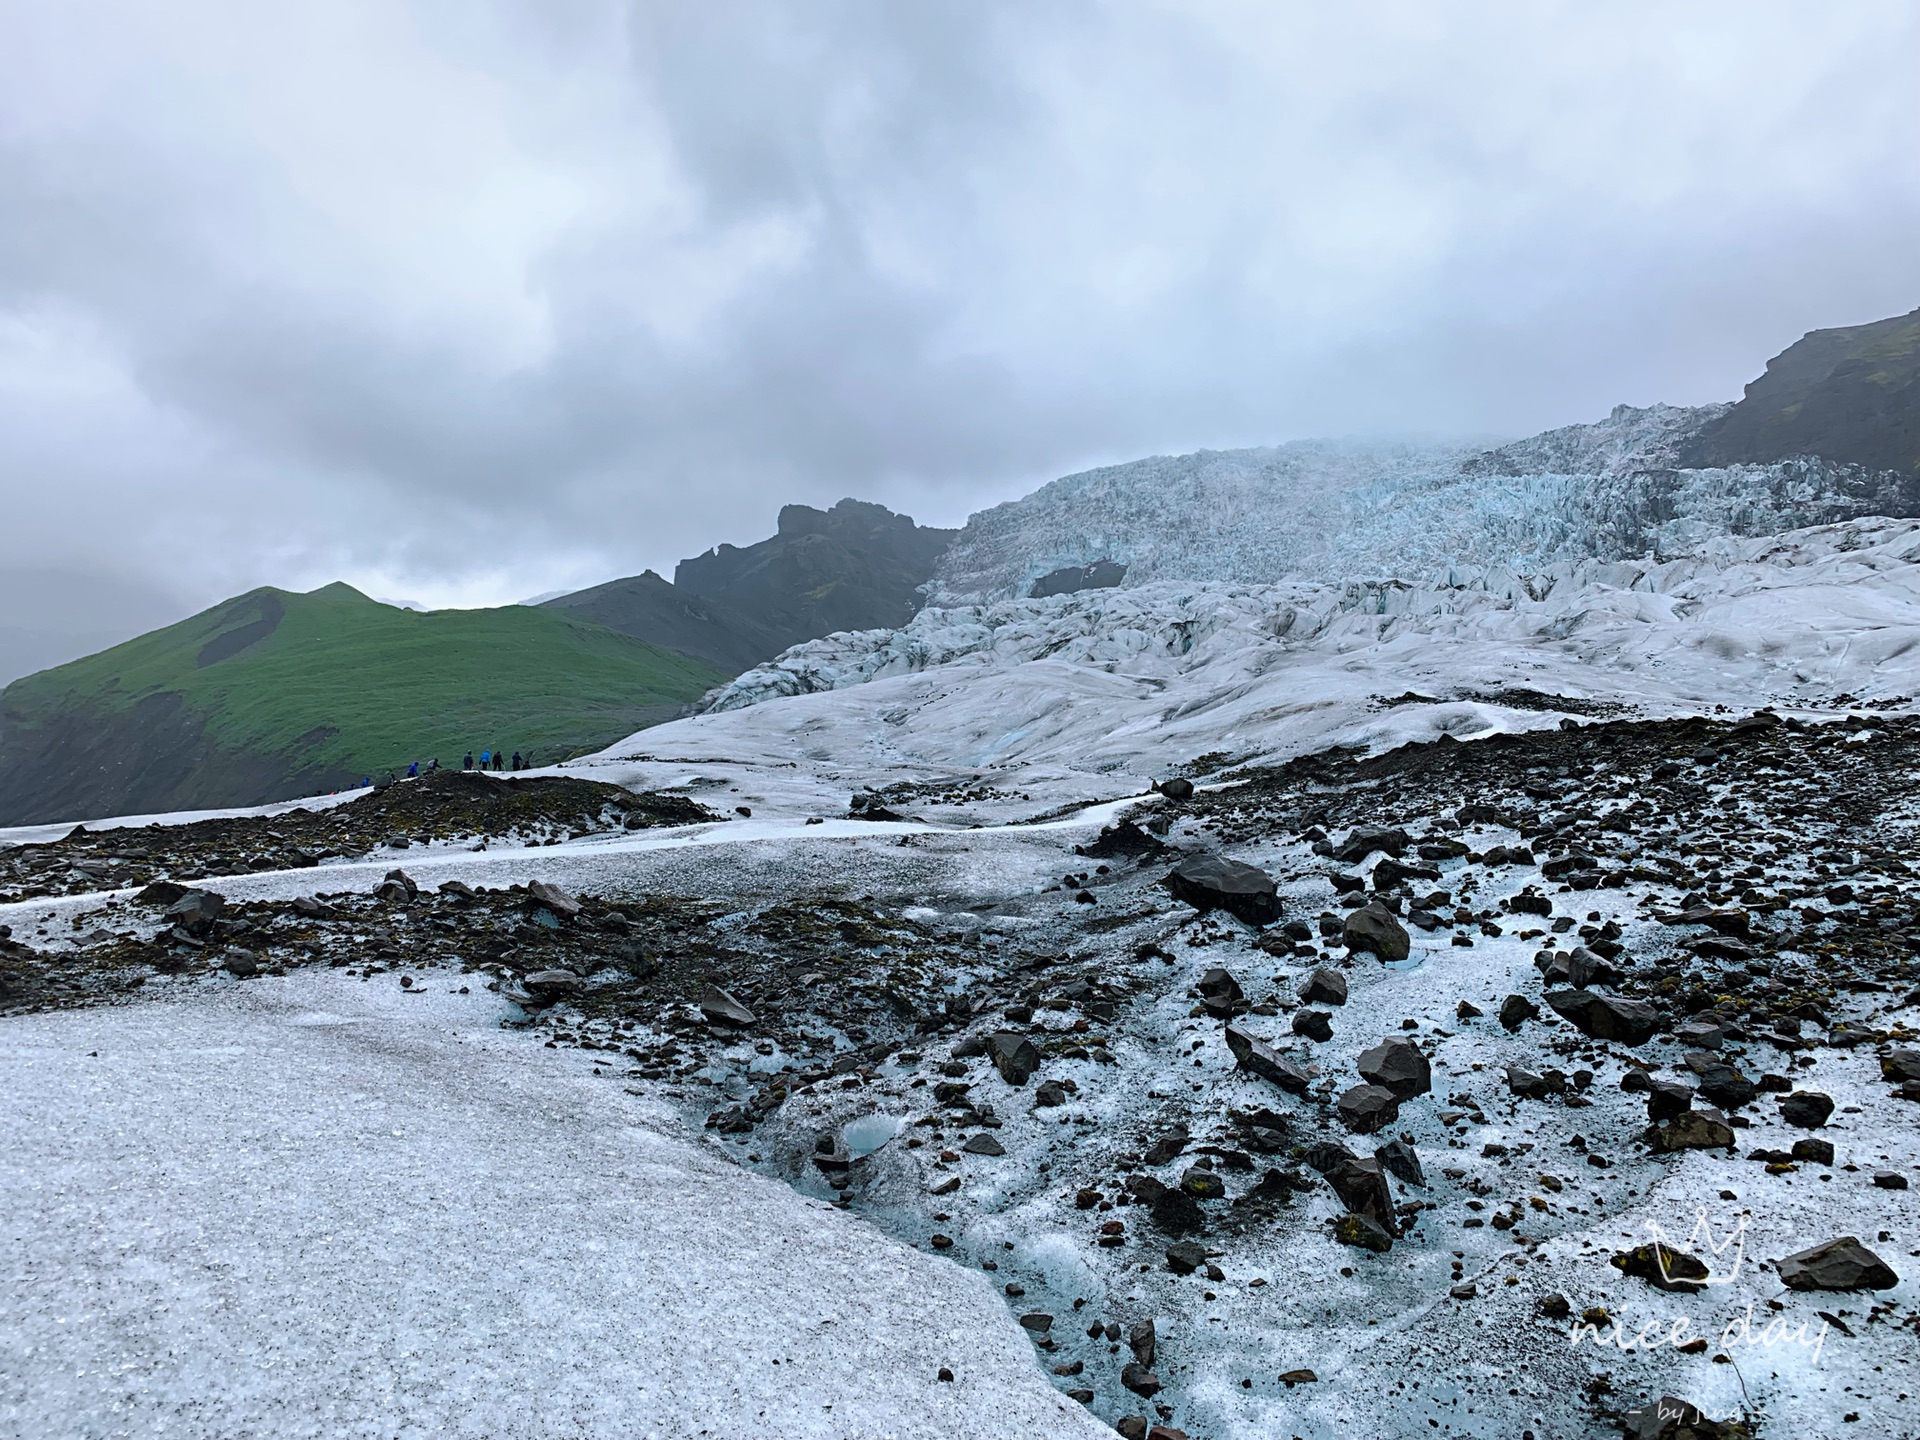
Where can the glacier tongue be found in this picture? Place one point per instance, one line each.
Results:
(1339, 510)
(1129, 682)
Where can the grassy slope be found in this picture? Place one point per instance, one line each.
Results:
(392, 685)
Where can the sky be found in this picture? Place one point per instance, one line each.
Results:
(462, 301)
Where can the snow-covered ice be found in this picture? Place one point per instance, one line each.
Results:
(310, 1207)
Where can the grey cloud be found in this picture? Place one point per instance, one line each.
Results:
(469, 302)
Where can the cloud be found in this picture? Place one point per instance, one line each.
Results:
(470, 301)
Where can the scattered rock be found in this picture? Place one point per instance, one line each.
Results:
(1695, 1130)
(1399, 1066)
(1220, 993)
(1183, 1258)
(1373, 928)
(1663, 1267)
(1606, 1017)
(1516, 1010)
(723, 1009)
(1839, 1264)
(984, 1144)
(1367, 1108)
(1259, 1058)
(1363, 840)
(1808, 1109)
(1213, 882)
(1013, 1055)
(1401, 1161)
(1314, 1024)
(1324, 987)
(553, 898)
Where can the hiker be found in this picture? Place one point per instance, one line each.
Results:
(516, 759)
(413, 771)
(467, 764)
(485, 756)
(499, 760)
(433, 765)
(365, 781)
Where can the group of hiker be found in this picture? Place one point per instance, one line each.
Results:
(489, 760)
(497, 760)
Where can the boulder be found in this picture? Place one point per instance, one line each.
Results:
(1365, 1109)
(1391, 874)
(1531, 1085)
(1606, 1017)
(1183, 1258)
(1695, 1130)
(547, 987)
(1400, 1160)
(1722, 1085)
(1255, 1056)
(1579, 967)
(1667, 1099)
(160, 892)
(1840, 1264)
(1663, 1267)
(1363, 840)
(1397, 1065)
(1314, 1024)
(1362, 1189)
(1324, 987)
(553, 898)
(720, 1008)
(1213, 882)
(1013, 1055)
(1178, 788)
(195, 911)
(1516, 1010)
(1363, 1233)
(1220, 993)
(1900, 1066)
(1373, 928)
(1808, 1109)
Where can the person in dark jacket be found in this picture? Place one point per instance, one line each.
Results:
(516, 759)
(467, 764)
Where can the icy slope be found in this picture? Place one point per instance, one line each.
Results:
(315, 1207)
(1332, 511)
(1128, 683)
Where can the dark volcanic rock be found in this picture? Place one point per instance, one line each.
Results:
(1213, 882)
(1531, 1085)
(1839, 1264)
(1013, 1055)
(1808, 1109)
(1324, 987)
(1373, 928)
(1363, 1190)
(1401, 1161)
(1663, 1267)
(1123, 841)
(719, 1007)
(1314, 1024)
(1220, 993)
(1606, 1017)
(1695, 1130)
(1363, 840)
(195, 911)
(1516, 1010)
(1367, 1108)
(1667, 1098)
(1397, 1065)
(1254, 1055)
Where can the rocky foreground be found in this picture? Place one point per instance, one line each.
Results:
(1471, 1088)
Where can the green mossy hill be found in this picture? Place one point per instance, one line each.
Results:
(1850, 394)
(273, 694)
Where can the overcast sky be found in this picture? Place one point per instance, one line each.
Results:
(461, 301)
